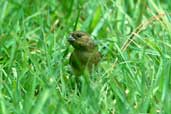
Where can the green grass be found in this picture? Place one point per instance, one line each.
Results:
(134, 76)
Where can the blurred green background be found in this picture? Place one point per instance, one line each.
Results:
(134, 37)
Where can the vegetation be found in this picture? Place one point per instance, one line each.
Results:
(133, 77)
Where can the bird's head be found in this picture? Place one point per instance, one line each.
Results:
(81, 40)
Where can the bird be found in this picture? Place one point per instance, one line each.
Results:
(85, 56)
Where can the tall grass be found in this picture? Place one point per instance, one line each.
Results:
(133, 76)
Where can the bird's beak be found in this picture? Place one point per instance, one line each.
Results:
(71, 39)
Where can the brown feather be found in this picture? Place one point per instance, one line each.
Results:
(85, 54)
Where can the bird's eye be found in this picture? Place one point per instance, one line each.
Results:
(79, 35)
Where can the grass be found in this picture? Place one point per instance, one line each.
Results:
(133, 77)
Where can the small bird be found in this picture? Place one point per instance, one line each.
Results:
(85, 55)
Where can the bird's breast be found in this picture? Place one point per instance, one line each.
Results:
(81, 59)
